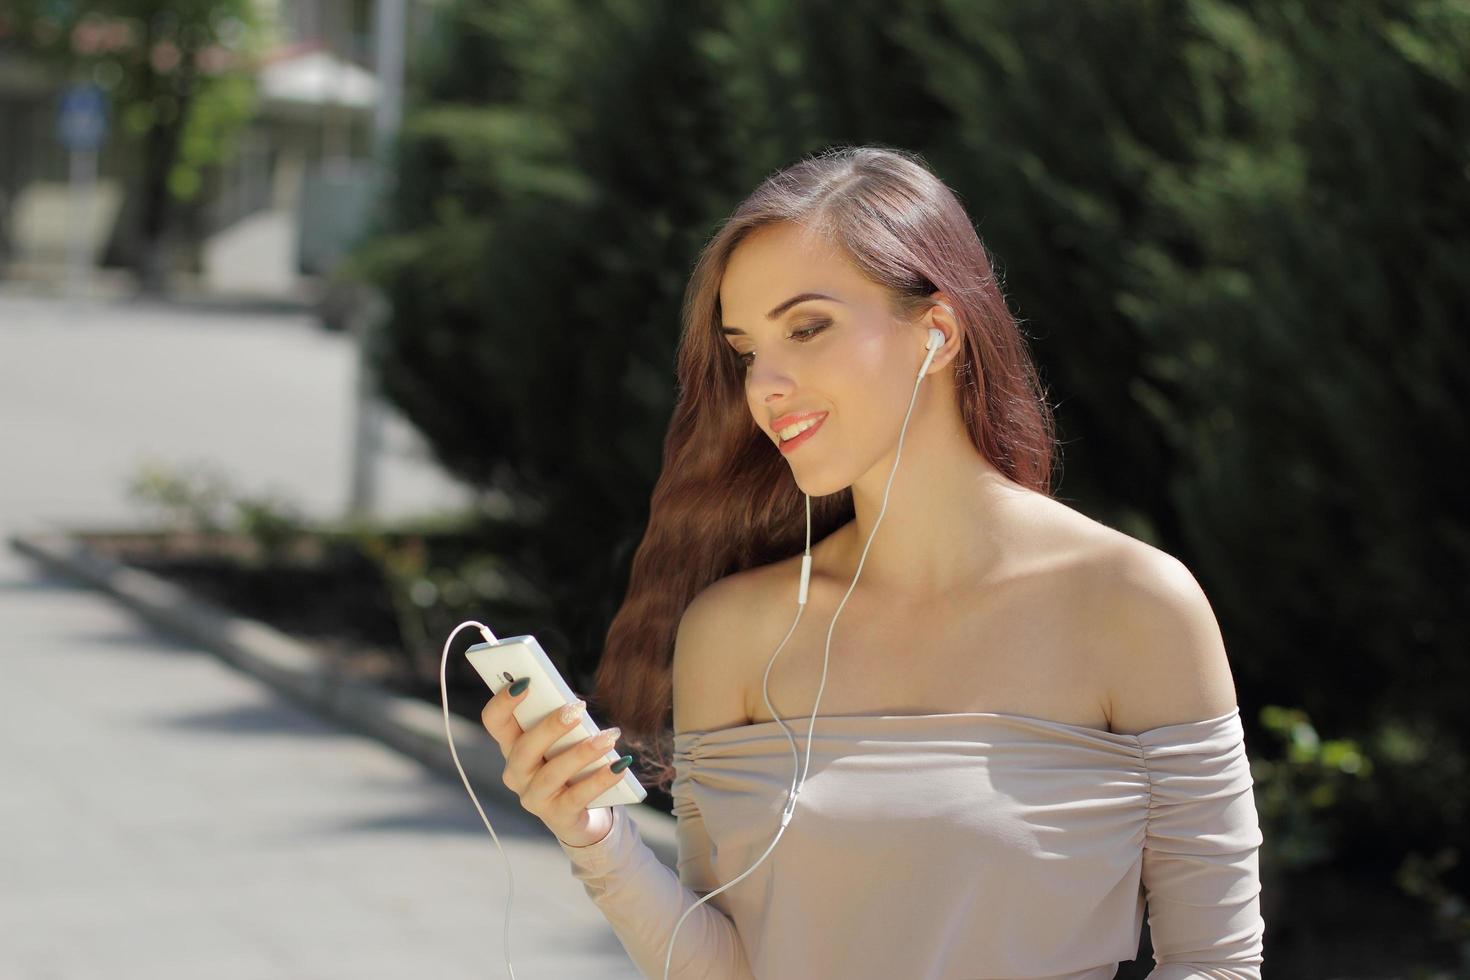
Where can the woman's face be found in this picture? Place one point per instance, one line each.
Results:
(845, 360)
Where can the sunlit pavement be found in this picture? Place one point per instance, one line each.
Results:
(165, 815)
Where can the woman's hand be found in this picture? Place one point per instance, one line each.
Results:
(542, 785)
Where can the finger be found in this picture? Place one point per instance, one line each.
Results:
(578, 795)
(528, 753)
(499, 718)
(554, 776)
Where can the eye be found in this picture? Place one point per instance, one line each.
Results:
(800, 336)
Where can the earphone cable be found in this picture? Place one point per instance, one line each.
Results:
(444, 702)
(797, 783)
(790, 808)
(826, 654)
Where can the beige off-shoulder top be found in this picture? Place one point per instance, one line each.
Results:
(946, 847)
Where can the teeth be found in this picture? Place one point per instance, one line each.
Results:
(796, 429)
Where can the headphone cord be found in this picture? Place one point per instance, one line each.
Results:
(806, 565)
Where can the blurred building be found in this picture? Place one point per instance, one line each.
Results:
(297, 191)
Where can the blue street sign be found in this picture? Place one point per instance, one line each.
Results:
(82, 123)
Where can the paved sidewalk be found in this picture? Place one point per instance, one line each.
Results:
(165, 815)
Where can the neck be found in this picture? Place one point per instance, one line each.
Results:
(942, 528)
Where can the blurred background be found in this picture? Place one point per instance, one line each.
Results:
(377, 301)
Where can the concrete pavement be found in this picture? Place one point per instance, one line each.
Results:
(165, 815)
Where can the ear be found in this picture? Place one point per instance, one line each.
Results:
(942, 315)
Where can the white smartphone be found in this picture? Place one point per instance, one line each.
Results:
(503, 663)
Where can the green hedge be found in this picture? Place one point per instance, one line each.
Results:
(1237, 233)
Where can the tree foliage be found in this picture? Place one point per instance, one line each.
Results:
(1236, 231)
(177, 75)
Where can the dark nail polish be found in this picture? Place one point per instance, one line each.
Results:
(622, 763)
(519, 686)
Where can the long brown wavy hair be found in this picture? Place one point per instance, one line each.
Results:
(725, 499)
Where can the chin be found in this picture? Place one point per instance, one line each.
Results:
(818, 484)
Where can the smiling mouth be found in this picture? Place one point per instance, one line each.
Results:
(805, 430)
(797, 428)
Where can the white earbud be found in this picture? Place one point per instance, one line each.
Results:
(936, 339)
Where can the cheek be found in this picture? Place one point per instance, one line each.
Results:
(876, 393)
(853, 383)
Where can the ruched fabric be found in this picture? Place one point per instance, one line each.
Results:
(949, 847)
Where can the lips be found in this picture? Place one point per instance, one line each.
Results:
(801, 438)
(785, 420)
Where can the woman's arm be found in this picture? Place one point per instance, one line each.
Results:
(1172, 686)
(642, 899)
(1200, 858)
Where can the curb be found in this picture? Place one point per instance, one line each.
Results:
(113, 287)
(291, 667)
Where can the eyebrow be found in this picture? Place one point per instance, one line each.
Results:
(782, 308)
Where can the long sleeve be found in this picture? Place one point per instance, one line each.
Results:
(1200, 854)
(642, 899)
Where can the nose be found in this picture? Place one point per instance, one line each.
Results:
(769, 382)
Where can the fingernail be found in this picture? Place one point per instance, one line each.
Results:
(519, 687)
(622, 763)
(607, 739)
(570, 712)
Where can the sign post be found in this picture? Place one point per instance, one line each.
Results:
(369, 317)
(82, 127)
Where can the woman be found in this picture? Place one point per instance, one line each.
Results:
(1026, 724)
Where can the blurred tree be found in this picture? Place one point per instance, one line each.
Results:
(550, 195)
(176, 72)
(561, 169)
(1241, 228)
(1262, 216)
(1311, 360)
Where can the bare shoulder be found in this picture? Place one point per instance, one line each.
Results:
(708, 671)
(1163, 656)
